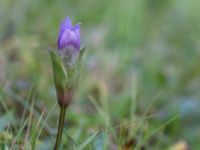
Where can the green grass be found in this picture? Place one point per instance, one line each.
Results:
(140, 78)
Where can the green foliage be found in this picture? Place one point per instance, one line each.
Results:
(137, 51)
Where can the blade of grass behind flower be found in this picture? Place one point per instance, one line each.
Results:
(162, 126)
(4, 121)
(101, 112)
(107, 121)
(88, 141)
(45, 120)
(34, 131)
(141, 122)
(27, 144)
(24, 102)
(76, 144)
(29, 98)
(9, 114)
(16, 138)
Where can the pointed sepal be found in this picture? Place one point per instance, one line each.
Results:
(60, 74)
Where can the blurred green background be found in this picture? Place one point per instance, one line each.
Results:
(141, 73)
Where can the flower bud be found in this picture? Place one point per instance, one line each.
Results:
(66, 63)
(69, 42)
(69, 36)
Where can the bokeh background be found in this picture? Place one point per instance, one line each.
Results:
(140, 79)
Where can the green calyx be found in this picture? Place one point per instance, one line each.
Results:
(65, 77)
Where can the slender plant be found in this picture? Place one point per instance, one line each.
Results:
(66, 62)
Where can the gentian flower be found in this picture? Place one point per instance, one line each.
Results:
(69, 36)
(69, 41)
(66, 63)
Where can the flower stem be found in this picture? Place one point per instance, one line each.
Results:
(60, 127)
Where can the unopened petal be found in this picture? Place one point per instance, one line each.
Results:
(66, 24)
(68, 38)
(76, 29)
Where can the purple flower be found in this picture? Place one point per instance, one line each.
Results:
(69, 36)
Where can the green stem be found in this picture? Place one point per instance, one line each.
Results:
(60, 127)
